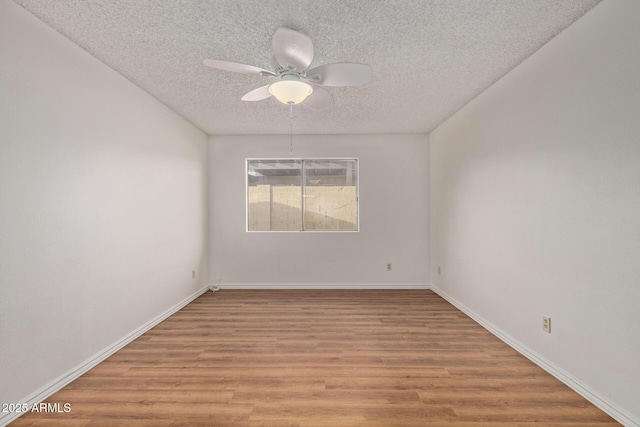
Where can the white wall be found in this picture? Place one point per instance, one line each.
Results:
(535, 204)
(103, 209)
(392, 221)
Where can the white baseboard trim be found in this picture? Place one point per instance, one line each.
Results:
(403, 286)
(613, 410)
(72, 374)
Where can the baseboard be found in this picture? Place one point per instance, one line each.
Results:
(613, 410)
(403, 286)
(66, 378)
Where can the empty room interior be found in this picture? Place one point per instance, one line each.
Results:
(334, 213)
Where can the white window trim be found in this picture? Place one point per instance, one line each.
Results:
(246, 195)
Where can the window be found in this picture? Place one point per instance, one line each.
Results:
(302, 195)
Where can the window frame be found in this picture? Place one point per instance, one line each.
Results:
(302, 192)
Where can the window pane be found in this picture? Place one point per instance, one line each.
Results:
(330, 195)
(274, 196)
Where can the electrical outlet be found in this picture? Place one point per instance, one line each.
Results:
(439, 270)
(388, 266)
(546, 324)
(193, 274)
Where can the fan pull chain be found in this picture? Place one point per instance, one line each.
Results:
(291, 130)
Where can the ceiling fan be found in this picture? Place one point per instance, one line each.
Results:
(297, 84)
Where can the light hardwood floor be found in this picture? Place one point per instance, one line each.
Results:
(318, 358)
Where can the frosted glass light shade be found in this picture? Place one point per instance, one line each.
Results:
(290, 91)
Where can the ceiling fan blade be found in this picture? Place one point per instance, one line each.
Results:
(236, 67)
(257, 94)
(340, 74)
(292, 50)
(319, 99)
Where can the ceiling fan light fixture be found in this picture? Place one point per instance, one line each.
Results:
(290, 92)
(292, 55)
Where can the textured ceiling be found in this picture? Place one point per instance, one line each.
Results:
(429, 57)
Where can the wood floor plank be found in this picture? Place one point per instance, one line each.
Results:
(318, 358)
